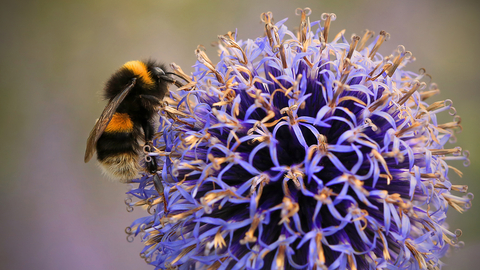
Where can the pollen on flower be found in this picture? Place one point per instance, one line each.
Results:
(302, 150)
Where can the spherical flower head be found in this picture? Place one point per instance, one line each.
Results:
(301, 151)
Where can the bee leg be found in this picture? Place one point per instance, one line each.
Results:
(157, 183)
(151, 162)
(149, 100)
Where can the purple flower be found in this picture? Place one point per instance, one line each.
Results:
(302, 151)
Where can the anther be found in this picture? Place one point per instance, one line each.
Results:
(368, 35)
(397, 61)
(452, 125)
(353, 44)
(231, 43)
(460, 188)
(381, 38)
(180, 73)
(282, 56)
(415, 87)
(441, 152)
(340, 88)
(203, 58)
(327, 17)
(379, 102)
(414, 126)
(303, 28)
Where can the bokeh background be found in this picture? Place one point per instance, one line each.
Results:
(59, 213)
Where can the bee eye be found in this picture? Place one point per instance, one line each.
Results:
(159, 71)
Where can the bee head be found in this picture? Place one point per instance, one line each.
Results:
(159, 74)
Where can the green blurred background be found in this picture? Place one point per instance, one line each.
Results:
(59, 213)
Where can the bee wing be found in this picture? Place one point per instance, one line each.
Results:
(103, 121)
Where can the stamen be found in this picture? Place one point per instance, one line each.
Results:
(452, 125)
(354, 182)
(412, 127)
(219, 241)
(183, 215)
(179, 72)
(433, 91)
(338, 91)
(260, 181)
(384, 69)
(379, 102)
(303, 28)
(418, 255)
(441, 152)
(322, 144)
(320, 253)
(354, 99)
(398, 60)
(289, 209)
(381, 38)
(212, 197)
(203, 58)
(327, 17)
(416, 85)
(289, 111)
(368, 35)
(386, 254)
(351, 262)
(249, 237)
(184, 252)
(395, 153)
(428, 175)
(374, 153)
(232, 44)
(457, 171)
(324, 195)
(282, 56)
(353, 44)
(436, 105)
(268, 32)
(338, 36)
(280, 261)
(397, 200)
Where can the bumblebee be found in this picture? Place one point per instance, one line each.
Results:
(134, 94)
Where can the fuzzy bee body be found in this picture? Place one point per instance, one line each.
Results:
(134, 93)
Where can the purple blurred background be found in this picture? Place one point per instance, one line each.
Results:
(59, 213)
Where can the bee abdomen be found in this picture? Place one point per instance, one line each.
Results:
(117, 148)
(123, 166)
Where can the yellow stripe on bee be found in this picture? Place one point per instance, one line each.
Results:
(140, 70)
(120, 122)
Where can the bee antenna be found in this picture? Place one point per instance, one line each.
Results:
(179, 76)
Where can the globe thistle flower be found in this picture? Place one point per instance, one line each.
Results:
(301, 151)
